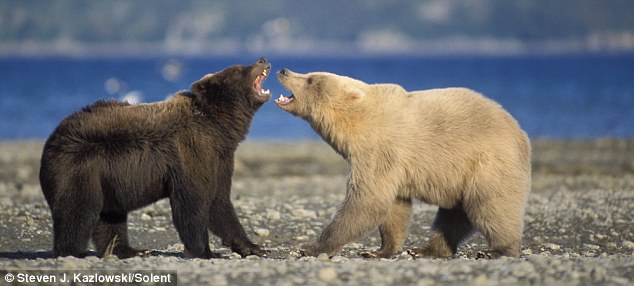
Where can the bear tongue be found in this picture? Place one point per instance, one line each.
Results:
(284, 99)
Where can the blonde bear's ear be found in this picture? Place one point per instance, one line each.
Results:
(354, 93)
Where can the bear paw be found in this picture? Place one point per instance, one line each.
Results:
(126, 252)
(207, 254)
(491, 254)
(311, 249)
(376, 254)
(428, 252)
(251, 249)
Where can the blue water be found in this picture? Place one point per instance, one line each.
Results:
(551, 96)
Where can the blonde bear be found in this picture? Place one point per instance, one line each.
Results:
(450, 147)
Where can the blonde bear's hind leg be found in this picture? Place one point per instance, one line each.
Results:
(450, 227)
(501, 225)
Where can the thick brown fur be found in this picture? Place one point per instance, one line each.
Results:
(111, 157)
(449, 147)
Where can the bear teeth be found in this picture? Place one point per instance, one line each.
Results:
(284, 100)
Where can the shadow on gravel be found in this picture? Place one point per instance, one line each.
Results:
(167, 254)
(28, 255)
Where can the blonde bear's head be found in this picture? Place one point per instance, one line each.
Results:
(316, 93)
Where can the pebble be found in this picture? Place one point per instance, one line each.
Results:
(523, 270)
(262, 232)
(273, 215)
(145, 217)
(30, 221)
(591, 247)
(338, 259)
(404, 256)
(69, 265)
(598, 273)
(537, 260)
(481, 280)
(620, 281)
(219, 279)
(323, 257)
(303, 213)
(426, 282)
(627, 244)
(327, 275)
(234, 255)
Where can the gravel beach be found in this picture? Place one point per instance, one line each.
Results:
(579, 226)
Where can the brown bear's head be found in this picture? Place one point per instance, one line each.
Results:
(236, 87)
(318, 92)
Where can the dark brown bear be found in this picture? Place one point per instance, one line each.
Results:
(111, 158)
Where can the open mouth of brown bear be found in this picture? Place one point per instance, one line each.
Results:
(259, 80)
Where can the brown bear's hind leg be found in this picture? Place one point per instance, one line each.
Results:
(110, 236)
(394, 230)
(450, 227)
(75, 211)
(71, 236)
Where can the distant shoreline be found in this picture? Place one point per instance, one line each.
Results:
(259, 158)
(455, 46)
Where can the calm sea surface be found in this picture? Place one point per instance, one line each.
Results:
(555, 96)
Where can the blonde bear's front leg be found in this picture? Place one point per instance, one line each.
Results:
(394, 230)
(360, 213)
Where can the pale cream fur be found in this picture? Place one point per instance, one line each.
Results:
(451, 147)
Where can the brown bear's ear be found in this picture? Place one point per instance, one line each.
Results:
(202, 84)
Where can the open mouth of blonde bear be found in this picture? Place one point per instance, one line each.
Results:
(259, 80)
(284, 100)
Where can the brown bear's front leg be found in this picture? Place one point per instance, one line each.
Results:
(190, 216)
(357, 216)
(225, 224)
